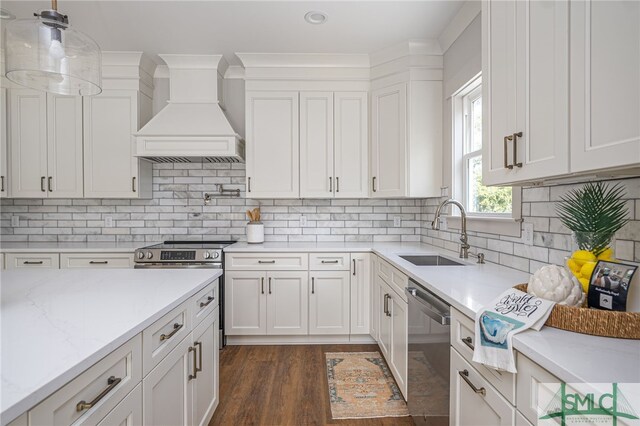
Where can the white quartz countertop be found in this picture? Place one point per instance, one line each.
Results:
(97, 247)
(571, 357)
(57, 323)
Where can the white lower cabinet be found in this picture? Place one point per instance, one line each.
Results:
(32, 260)
(529, 382)
(96, 260)
(128, 412)
(473, 401)
(287, 303)
(384, 324)
(245, 303)
(329, 302)
(360, 293)
(205, 385)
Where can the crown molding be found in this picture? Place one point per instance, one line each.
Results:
(459, 23)
(426, 47)
(303, 60)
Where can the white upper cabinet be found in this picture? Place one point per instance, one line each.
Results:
(45, 145)
(272, 144)
(525, 90)
(4, 181)
(111, 170)
(605, 85)
(351, 152)
(317, 178)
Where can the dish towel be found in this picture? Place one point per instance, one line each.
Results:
(512, 312)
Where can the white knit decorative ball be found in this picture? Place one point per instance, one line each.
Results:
(555, 283)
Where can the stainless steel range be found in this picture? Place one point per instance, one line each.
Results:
(187, 254)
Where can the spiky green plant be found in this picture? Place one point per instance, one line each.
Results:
(594, 213)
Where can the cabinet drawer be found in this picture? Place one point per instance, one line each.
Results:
(267, 261)
(95, 260)
(528, 384)
(104, 385)
(392, 276)
(128, 412)
(329, 261)
(33, 260)
(204, 302)
(474, 400)
(163, 335)
(463, 339)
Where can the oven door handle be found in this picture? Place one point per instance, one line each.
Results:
(426, 304)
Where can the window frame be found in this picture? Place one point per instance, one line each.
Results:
(493, 223)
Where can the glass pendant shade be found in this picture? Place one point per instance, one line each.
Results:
(50, 55)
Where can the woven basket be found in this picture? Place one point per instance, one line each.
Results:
(623, 325)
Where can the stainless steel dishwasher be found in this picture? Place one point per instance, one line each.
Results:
(428, 367)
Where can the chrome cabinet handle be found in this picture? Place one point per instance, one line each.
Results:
(209, 300)
(98, 262)
(506, 158)
(469, 342)
(269, 285)
(337, 184)
(32, 262)
(2, 184)
(515, 149)
(133, 184)
(354, 267)
(199, 345)
(313, 285)
(330, 261)
(330, 184)
(249, 184)
(262, 284)
(374, 184)
(176, 327)
(112, 382)
(50, 183)
(266, 261)
(195, 361)
(465, 375)
(42, 184)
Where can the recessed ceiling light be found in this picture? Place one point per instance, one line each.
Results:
(315, 17)
(5, 14)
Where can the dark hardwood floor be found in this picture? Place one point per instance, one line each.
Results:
(281, 385)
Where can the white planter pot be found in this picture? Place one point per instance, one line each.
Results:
(255, 232)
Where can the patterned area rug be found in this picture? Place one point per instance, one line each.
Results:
(361, 386)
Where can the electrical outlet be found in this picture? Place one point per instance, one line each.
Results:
(303, 220)
(397, 223)
(108, 222)
(443, 224)
(15, 221)
(527, 233)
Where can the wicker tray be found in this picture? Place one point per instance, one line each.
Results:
(623, 325)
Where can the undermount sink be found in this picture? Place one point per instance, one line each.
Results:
(431, 260)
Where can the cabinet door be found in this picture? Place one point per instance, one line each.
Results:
(351, 153)
(64, 146)
(399, 341)
(376, 304)
(205, 385)
(316, 145)
(388, 141)
(128, 412)
(245, 303)
(272, 145)
(110, 169)
(4, 181)
(287, 302)
(167, 391)
(605, 84)
(329, 302)
(469, 408)
(384, 325)
(360, 293)
(28, 143)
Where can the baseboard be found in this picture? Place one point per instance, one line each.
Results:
(300, 340)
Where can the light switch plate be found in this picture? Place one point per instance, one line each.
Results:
(527, 233)
(108, 222)
(397, 222)
(15, 221)
(303, 220)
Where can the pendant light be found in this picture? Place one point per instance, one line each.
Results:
(47, 54)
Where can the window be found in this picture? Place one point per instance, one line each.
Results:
(479, 200)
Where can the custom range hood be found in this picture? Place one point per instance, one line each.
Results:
(192, 128)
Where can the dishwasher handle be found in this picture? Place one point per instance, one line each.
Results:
(430, 305)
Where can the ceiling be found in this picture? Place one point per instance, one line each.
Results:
(226, 27)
